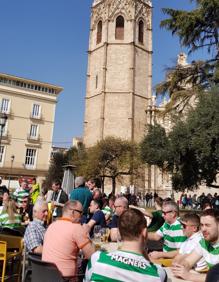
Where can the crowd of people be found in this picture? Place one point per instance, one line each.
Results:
(60, 228)
(199, 202)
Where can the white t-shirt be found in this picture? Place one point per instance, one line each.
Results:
(191, 244)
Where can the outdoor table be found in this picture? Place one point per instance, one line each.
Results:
(108, 247)
(163, 262)
(171, 277)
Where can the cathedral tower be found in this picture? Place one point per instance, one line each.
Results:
(119, 74)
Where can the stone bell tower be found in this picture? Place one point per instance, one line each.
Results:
(119, 73)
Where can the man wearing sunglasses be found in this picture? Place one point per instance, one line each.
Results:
(26, 211)
(191, 224)
(171, 232)
(64, 238)
(120, 205)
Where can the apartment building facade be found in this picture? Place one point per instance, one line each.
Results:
(26, 138)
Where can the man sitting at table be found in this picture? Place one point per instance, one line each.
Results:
(171, 232)
(130, 262)
(26, 211)
(120, 205)
(97, 216)
(34, 234)
(191, 224)
(208, 247)
(64, 238)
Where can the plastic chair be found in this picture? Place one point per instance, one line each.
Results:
(14, 244)
(44, 271)
(3, 254)
(26, 264)
(14, 252)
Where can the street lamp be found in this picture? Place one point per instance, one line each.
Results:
(3, 120)
(9, 179)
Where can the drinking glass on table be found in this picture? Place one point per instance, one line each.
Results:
(97, 233)
(119, 240)
(105, 232)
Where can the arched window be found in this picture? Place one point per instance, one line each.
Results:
(141, 32)
(99, 32)
(96, 82)
(119, 28)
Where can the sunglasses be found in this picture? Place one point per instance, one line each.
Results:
(77, 211)
(184, 225)
(166, 212)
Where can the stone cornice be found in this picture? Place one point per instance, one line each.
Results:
(56, 88)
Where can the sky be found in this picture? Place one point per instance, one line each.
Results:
(47, 40)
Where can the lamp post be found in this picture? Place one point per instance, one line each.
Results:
(9, 178)
(3, 120)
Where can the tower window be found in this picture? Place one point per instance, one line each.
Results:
(119, 28)
(99, 32)
(96, 82)
(141, 32)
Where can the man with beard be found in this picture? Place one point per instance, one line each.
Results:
(208, 247)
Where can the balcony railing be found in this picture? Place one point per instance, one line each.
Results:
(35, 139)
(5, 135)
(37, 117)
(6, 111)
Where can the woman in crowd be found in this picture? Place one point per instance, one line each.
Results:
(9, 217)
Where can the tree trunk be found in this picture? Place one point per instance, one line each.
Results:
(102, 183)
(113, 185)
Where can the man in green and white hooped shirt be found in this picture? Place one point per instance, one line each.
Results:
(171, 232)
(129, 263)
(208, 247)
(22, 192)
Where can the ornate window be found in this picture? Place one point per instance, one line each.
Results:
(30, 158)
(99, 32)
(5, 106)
(36, 111)
(33, 131)
(141, 32)
(119, 34)
(2, 150)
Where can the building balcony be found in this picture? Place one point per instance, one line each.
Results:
(33, 139)
(34, 117)
(5, 135)
(8, 112)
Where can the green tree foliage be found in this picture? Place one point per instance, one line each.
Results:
(56, 171)
(154, 146)
(111, 158)
(77, 156)
(74, 156)
(191, 153)
(196, 29)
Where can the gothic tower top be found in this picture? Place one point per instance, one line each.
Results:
(119, 72)
(95, 2)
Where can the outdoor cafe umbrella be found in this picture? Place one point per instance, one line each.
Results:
(68, 178)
